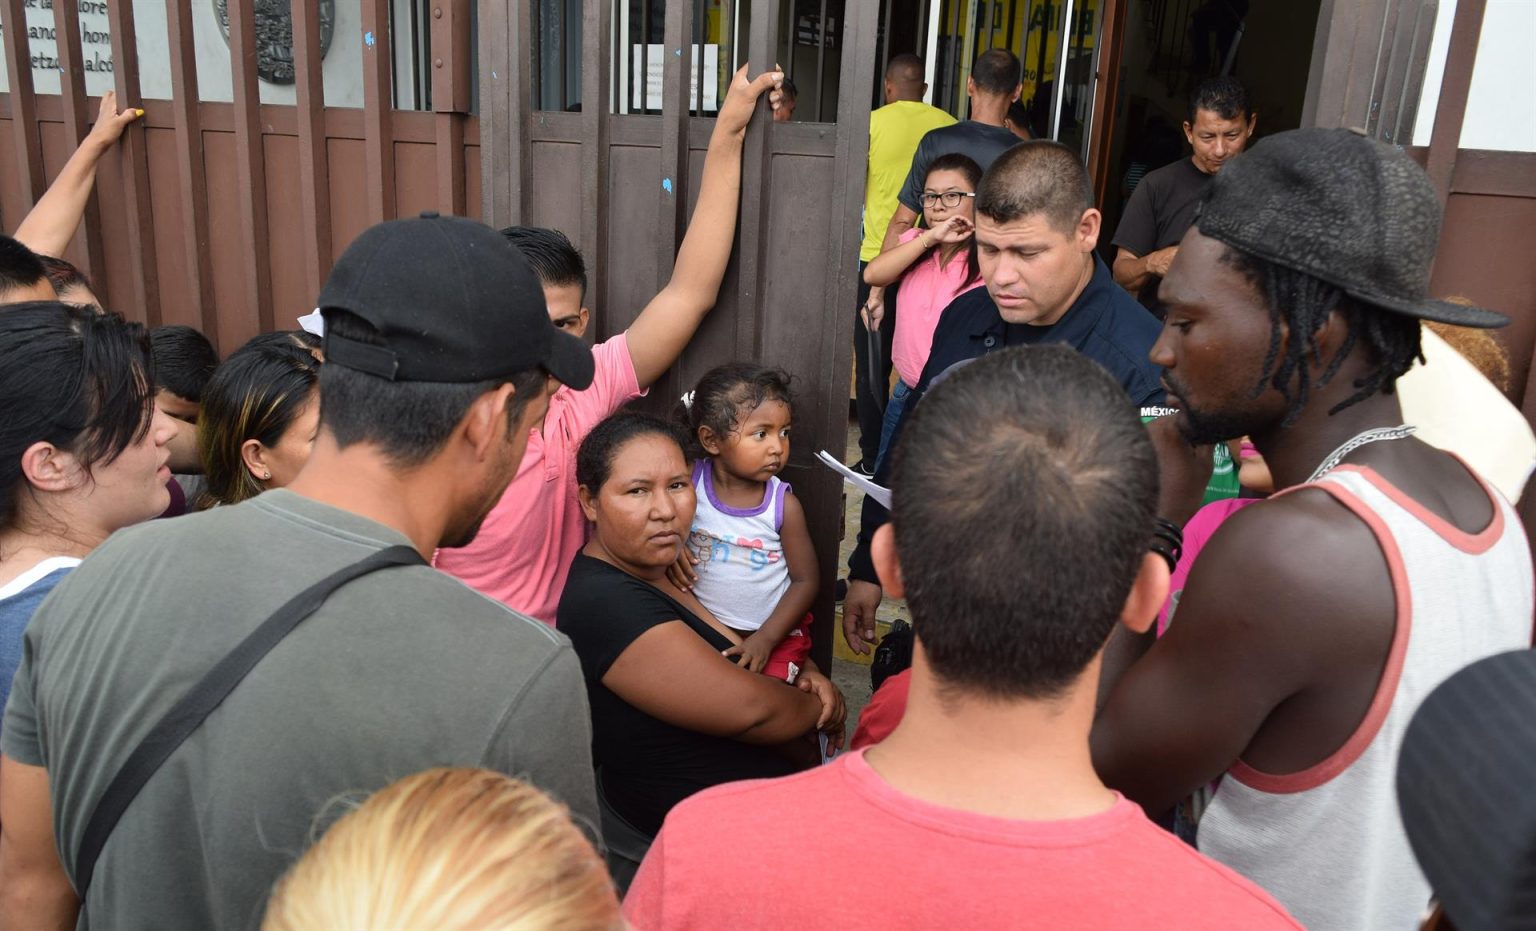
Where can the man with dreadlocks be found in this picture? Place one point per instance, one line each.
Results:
(1316, 621)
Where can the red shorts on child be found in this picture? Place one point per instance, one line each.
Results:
(788, 658)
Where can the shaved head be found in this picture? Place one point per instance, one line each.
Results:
(904, 78)
(905, 68)
(1036, 177)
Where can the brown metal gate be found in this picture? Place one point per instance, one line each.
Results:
(227, 216)
(622, 186)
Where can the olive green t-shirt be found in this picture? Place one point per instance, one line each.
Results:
(399, 671)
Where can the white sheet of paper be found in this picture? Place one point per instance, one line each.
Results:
(879, 492)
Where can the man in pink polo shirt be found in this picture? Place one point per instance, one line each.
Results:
(526, 544)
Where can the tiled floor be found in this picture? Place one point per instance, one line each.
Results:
(852, 676)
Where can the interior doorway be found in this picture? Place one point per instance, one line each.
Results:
(1111, 77)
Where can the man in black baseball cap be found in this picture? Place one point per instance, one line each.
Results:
(1315, 622)
(448, 300)
(440, 363)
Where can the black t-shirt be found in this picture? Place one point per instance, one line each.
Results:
(981, 141)
(645, 765)
(1159, 213)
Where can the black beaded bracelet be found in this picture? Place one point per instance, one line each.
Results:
(1161, 549)
(1172, 531)
(1168, 541)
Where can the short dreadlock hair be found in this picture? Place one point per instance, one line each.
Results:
(1303, 303)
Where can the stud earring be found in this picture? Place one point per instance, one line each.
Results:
(266, 476)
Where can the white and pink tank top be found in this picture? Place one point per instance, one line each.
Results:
(1328, 841)
(742, 572)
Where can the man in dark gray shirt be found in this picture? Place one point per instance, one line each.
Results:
(1219, 126)
(440, 357)
(994, 84)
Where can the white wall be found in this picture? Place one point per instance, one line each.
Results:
(1501, 107)
(342, 69)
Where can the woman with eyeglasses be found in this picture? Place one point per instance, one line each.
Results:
(934, 264)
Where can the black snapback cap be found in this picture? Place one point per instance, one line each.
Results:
(452, 301)
(1351, 211)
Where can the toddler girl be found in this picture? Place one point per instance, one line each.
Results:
(752, 556)
(934, 265)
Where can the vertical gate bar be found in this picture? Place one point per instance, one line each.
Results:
(876, 96)
(314, 161)
(1105, 93)
(821, 55)
(731, 15)
(135, 163)
(1413, 84)
(520, 89)
(1445, 137)
(66, 23)
(449, 154)
(596, 33)
(789, 40)
(755, 181)
(1062, 51)
(698, 37)
(561, 49)
(27, 139)
(449, 25)
(191, 169)
(678, 34)
(966, 47)
(378, 104)
(645, 57)
(506, 81)
(1381, 68)
(672, 205)
(857, 47)
(921, 45)
(497, 104)
(250, 163)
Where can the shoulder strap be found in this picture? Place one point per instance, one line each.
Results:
(194, 707)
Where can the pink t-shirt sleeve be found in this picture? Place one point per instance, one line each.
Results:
(614, 384)
(527, 542)
(912, 234)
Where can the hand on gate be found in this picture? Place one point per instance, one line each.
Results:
(110, 123)
(741, 98)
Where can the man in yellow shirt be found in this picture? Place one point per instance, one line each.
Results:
(894, 131)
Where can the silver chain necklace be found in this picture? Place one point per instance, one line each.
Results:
(1376, 435)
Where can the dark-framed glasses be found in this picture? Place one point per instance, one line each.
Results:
(948, 198)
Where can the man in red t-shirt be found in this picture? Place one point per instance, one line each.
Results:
(1024, 492)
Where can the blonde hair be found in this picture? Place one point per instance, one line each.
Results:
(449, 850)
